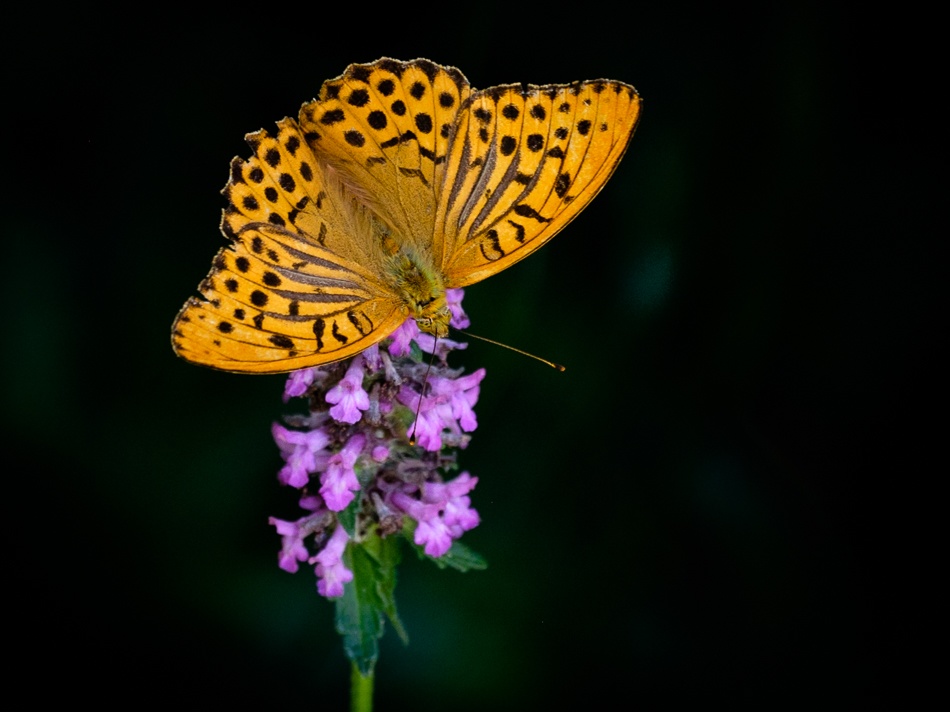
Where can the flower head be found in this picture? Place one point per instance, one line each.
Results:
(356, 452)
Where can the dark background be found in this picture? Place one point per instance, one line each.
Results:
(720, 500)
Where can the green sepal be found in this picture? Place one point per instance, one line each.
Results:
(403, 417)
(368, 598)
(347, 517)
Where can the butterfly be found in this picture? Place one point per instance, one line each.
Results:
(397, 182)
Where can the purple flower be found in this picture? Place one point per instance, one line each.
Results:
(348, 395)
(462, 398)
(372, 359)
(331, 573)
(293, 533)
(448, 408)
(299, 382)
(300, 450)
(459, 317)
(427, 427)
(292, 548)
(458, 514)
(431, 531)
(443, 513)
(339, 481)
(428, 343)
(407, 332)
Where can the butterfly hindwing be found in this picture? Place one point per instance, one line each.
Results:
(524, 162)
(293, 289)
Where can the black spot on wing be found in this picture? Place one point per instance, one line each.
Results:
(526, 211)
(319, 327)
(332, 116)
(535, 142)
(519, 230)
(258, 298)
(337, 334)
(377, 120)
(354, 138)
(359, 73)
(423, 123)
(358, 97)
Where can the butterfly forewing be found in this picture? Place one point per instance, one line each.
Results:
(526, 161)
(385, 126)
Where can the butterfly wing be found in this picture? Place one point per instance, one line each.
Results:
(386, 128)
(298, 286)
(523, 162)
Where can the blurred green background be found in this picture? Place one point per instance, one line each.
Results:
(716, 502)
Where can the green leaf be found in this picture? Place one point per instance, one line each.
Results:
(359, 611)
(461, 558)
(369, 599)
(458, 557)
(387, 554)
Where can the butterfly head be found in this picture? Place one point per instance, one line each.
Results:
(433, 318)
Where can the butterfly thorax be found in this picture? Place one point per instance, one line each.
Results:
(422, 290)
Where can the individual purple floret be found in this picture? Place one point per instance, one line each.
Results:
(348, 397)
(302, 450)
(339, 480)
(331, 573)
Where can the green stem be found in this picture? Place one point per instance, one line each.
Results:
(361, 691)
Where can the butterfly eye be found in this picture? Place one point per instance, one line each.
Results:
(425, 303)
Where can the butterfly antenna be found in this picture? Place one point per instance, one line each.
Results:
(425, 383)
(553, 365)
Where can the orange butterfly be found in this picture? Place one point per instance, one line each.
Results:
(398, 182)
